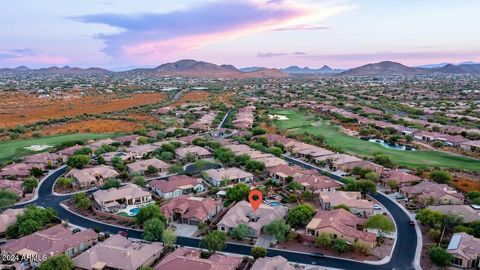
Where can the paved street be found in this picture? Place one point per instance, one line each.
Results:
(402, 258)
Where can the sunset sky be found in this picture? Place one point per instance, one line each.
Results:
(120, 34)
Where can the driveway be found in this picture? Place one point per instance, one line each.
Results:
(265, 240)
(185, 230)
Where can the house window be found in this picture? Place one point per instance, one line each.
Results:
(457, 261)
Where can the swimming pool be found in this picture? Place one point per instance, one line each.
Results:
(134, 211)
(274, 204)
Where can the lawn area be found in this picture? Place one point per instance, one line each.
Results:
(301, 122)
(16, 148)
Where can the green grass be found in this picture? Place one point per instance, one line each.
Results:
(301, 122)
(10, 150)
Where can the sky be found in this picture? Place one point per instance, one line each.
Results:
(122, 34)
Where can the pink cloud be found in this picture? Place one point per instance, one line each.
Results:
(149, 38)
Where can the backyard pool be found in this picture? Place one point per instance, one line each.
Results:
(134, 211)
(274, 204)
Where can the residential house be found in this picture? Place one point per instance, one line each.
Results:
(399, 177)
(222, 176)
(98, 144)
(94, 176)
(17, 170)
(12, 185)
(352, 199)
(176, 185)
(318, 183)
(191, 210)
(465, 250)
(433, 193)
(364, 164)
(124, 157)
(190, 259)
(278, 263)
(129, 139)
(451, 140)
(472, 146)
(55, 240)
(9, 217)
(44, 160)
(466, 212)
(341, 224)
(243, 213)
(281, 172)
(69, 151)
(114, 198)
(117, 252)
(197, 151)
(139, 151)
(142, 166)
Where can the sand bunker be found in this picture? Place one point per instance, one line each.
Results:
(37, 147)
(278, 117)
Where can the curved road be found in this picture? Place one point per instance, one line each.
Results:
(402, 258)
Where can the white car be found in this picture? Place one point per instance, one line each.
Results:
(377, 207)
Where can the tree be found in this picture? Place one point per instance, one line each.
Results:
(139, 180)
(254, 166)
(361, 248)
(78, 161)
(364, 186)
(323, 240)
(341, 246)
(258, 131)
(7, 198)
(215, 241)
(151, 170)
(169, 238)
(83, 151)
(36, 172)
(383, 160)
(300, 215)
(430, 217)
(153, 229)
(307, 195)
(175, 169)
(240, 232)
(82, 201)
(372, 176)
(59, 262)
(258, 252)
(442, 177)
(392, 184)
(65, 182)
(33, 219)
(29, 184)
(278, 228)
(111, 183)
(166, 156)
(409, 138)
(440, 256)
(118, 164)
(238, 192)
(148, 212)
(381, 223)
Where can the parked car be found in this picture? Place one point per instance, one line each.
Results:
(412, 222)
(377, 207)
(317, 255)
(76, 230)
(123, 233)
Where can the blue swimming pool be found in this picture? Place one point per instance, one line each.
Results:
(134, 211)
(274, 204)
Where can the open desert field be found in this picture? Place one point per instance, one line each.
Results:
(191, 97)
(92, 126)
(21, 109)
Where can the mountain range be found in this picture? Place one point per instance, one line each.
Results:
(394, 68)
(193, 68)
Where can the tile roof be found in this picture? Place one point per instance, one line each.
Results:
(119, 253)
